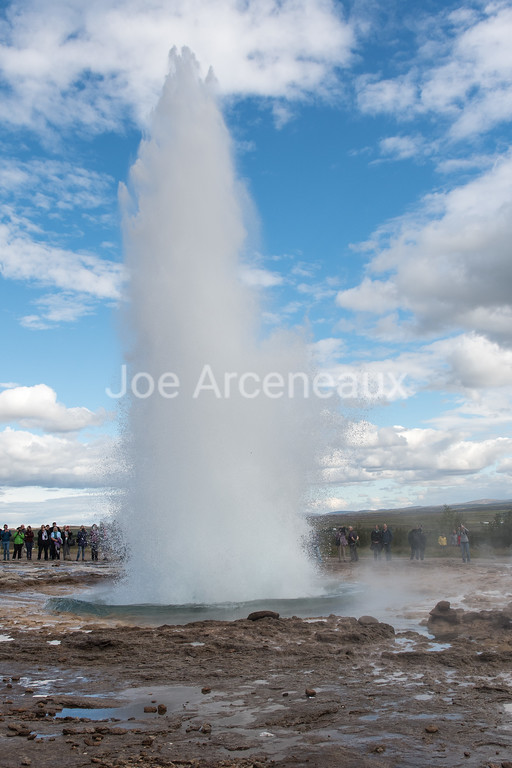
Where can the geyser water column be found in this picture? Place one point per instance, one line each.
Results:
(216, 466)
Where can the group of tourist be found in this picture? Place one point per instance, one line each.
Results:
(418, 542)
(52, 541)
(459, 537)
(346, 538)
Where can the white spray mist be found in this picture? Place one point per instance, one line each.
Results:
(211, 511)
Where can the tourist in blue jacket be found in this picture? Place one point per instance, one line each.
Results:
(6, 538)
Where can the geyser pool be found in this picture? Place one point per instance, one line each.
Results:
(337, 599)
(215, 479)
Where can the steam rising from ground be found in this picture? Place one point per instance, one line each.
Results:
(215, 484)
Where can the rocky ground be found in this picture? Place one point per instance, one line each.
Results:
(419, 675)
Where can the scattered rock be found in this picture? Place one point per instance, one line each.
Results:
(431, 728)
(18, 730)
(256, 615)
(310, 692)
(445, 621)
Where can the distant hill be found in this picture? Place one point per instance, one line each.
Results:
(491, 503)
(479, 511)
(482, 501)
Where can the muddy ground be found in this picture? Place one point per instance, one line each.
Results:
(389, 685)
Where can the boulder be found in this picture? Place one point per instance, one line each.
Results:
(367, 621)
(257, 615)
(444, 612)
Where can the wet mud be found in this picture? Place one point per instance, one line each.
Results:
(419, 674)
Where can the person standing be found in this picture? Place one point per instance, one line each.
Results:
(6, 538)
(95, 542)
(387, 538)
(376, 542)
(81, 540)
(67, 541)
(18, 541)
(422, 542)
(52, 540)
(417, 542)
(464, 543)
(353, 541)
(29, 541)
(43, 542)
(56, 540)
(413, 539)
(342, 543)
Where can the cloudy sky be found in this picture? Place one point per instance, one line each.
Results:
(374, 139)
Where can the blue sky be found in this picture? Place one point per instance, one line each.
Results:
(374, 139)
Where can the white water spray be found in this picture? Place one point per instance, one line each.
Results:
(216, 472)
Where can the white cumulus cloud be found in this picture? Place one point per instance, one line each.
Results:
(410, 456)
(24, 259)
(37, 407)
(91, 64)
(447, 264)
(461, 72)
(51, 461)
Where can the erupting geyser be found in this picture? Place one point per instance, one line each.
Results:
(217, 460)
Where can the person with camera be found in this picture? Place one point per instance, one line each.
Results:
(464, 543)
